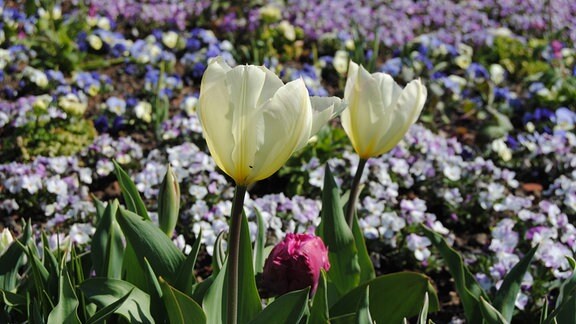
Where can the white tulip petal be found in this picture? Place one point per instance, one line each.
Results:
(406, 111)
(287, 120)
(271, 84)
(324, 109)
(215, 116)
(245, 83)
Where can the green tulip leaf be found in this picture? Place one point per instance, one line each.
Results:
(466, 285)
(363, 311)
(319, 311)
(565, 311)
(180, 307)
(215, 297)
(490, 314)
(185, 278)
(152, 244)
(423, 316)
(249, 304)
(107, 248)
(344, 271)
(12, 259)
(12, 299)
(260, 243)
(508, 291)
(288, 308)
(132, 198)
(101, 315)
(366, 267)
(218, 253)
(65, 311)
(105, 292)
(392, 297)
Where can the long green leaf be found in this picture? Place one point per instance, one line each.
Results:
(132, 198)
(363, 311)
(105, 292)
(466, 285)
(508, 291)
(180, 307)
(185, 278)
(259, 243)
(152, 244)
(288, 308)
(215, 300)
(423, 316)
(319, 310)
(565, 310)
(249, 304)
(65, 310)
(490, 314)
(392, 297)
(107, 247)
(344, 271)
(366, 267)
(105, 312)
(12, 259)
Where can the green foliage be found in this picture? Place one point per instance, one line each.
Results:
(344, 267)
(48, 138)
(392, 297)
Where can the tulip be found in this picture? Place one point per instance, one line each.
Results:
(293, 264)
(252, 123)
(379, 114)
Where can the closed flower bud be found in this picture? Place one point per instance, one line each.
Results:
(293, 264)
(169, 202)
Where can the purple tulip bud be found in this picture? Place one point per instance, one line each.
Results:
(294, 264)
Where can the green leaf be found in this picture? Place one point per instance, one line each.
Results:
(366, 267)
(168, 202)
(65, 310)
(392, 297)
(12, 259)
(218, 253)
(180, 307)
(466, 285)
(319, 310)
(107, 248)
(105, 312)
(104, 292)
(423, 316)
(185, 278)
(249, 304)
(288, 308)
(565, 311)
(132, 198)
(259, 243)
(215, 300)
(12, 299)
(152, 244)
(363, 310)
(506, 295)
(490, 314)
(344, 271)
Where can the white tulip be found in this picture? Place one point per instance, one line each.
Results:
(379, 111)
(253, 122)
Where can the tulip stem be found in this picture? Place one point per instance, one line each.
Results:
(234, 253)
(355, 192)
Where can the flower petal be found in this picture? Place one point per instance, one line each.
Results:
(287, 120)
